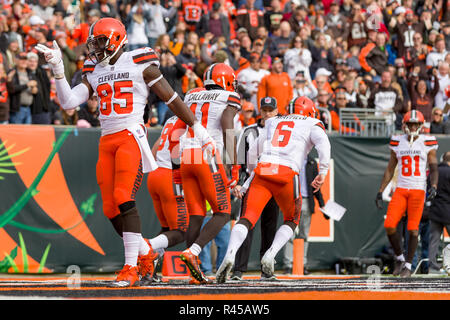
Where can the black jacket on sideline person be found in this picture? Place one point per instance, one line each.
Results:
(311, 172)
(440, 206)
(41, 100)
(15, 89)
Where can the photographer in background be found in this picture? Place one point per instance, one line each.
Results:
(303, 87)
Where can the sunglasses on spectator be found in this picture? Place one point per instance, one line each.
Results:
(438, 114)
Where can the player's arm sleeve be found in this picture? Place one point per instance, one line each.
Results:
(71, 97)
(320, 140)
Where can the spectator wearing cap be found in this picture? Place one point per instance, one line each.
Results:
(21, 90)
(43, 9)
(216, 23)
(322, 80)
(246, 117)
(385, 99)
(406, 30)
(249, 78)
(422, 99)
(274, 15)
(35, 24)
(250, 18)
(438, 53)
(297, 58)
(236, 60)
(270, 213)
(40, 108)
(280, 44)
(322, 55)
(277, 84)
(81, 32)
(337, 22)
(303, 87)
(373, 57)
(438, 125)
(258, 46)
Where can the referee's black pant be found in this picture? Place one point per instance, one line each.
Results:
(269, 218)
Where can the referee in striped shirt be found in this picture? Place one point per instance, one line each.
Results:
(269, 216)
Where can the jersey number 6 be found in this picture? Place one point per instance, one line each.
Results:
(106, 93)
(280, 132)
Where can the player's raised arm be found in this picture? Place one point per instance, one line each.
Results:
(323, 147)
(69, 97)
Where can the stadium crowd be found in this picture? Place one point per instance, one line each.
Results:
(386, 55)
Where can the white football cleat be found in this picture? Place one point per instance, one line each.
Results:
(446, 259)
(224, 270)
(267, 265)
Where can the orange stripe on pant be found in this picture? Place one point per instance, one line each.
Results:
(280, 184)
(170, 208)
(405, 200)
(204, 182)
(119, 170)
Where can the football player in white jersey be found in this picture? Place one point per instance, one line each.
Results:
(122, 81)
(412, 152)
(204, 179)
(283, 145)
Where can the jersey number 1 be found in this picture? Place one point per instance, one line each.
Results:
(105, 92)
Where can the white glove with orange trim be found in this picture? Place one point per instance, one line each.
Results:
(53, 57)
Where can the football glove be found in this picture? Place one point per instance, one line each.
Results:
(208, 143)
(379, 200)
(53, 58)
(431, 194)
(234, 176)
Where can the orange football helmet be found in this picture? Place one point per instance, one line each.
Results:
(106, 37)
(413, 117)
(222, 75)
(303, 106)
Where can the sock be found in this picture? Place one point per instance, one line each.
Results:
(143, 247)
(237, 237)
(284, 233)
(159, 242)
(131, 242)
(408, 265)
(195, 249)
(401, 258)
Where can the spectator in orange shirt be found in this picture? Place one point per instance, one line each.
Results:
(277, 84)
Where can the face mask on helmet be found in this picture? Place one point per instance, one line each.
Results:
(412, 129)
(99, 50)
